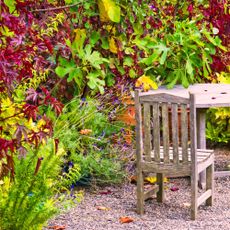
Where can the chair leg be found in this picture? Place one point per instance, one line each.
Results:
(160, 182)
(210, 183)
(140, 193)
(194, 195)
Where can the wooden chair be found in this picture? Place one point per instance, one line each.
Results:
(164, 149)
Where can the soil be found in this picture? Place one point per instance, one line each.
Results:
(102, 208)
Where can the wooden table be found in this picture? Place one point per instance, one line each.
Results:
(207, 96)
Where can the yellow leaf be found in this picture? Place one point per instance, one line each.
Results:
(108, 11)
(146, 82)
(112, 45)
(6, 32)
(111, 29)
(103, 7)
(40, 123)
(79, 34)
(153, 180)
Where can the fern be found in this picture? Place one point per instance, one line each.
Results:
(27, 202)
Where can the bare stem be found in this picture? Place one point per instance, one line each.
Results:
(55, 8)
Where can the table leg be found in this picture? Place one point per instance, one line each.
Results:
(201, 142)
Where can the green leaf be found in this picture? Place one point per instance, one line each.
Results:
(188, 67)
(94, 58)
(95, 36)
(77, 75)
(184, 79)
(132, 73)
(94, 82)
(110, 80)
(128, 61)
(61, 71)
(65, 67)
(149, 60)
(11, 5)
(138, 28)
(105, 43)
(172, 79)
(163, 57)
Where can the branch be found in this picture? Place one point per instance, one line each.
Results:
(56, 8)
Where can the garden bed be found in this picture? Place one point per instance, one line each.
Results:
(102, 208)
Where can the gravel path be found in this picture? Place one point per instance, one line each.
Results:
(117, 202)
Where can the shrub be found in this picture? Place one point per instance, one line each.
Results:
(27, 200)
(87, 134)
(218, 119)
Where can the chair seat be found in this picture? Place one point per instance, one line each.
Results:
(202, 154)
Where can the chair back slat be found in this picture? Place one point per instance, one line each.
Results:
(164, 127)
(156, 131)
(147, 139)
(139, 136)
(175, 133)
(184, 133)
(193, 132)
(165, 131)
(163, 97)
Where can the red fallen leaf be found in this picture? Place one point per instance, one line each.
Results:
(57, 227)
(106, 192)
(126, 219)
(174, 189)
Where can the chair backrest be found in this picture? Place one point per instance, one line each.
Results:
(162, 129)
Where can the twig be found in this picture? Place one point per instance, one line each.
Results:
(56, 8)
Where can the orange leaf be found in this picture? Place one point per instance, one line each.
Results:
(57, 227)
(126, 219)
(102, 208)
(85, 131)
(133, 179)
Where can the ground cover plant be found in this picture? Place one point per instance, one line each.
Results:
(57, 57)
(87, 131)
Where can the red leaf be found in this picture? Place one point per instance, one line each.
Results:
(48, 45)
(30, 111)
(126, 219)
(174, 189)
(106, 192)
(32, 95)
(39, 161)
(56, 105)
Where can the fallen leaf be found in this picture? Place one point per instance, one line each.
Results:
(106, 192)
(85, 131)
(133, 179)
(153, 180)
(57, 227)
(126, 219)
(174, 189)
(187, 205)
(102, 208)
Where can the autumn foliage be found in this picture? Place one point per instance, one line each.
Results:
(51, 51)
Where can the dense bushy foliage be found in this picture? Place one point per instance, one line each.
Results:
(95, 45)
